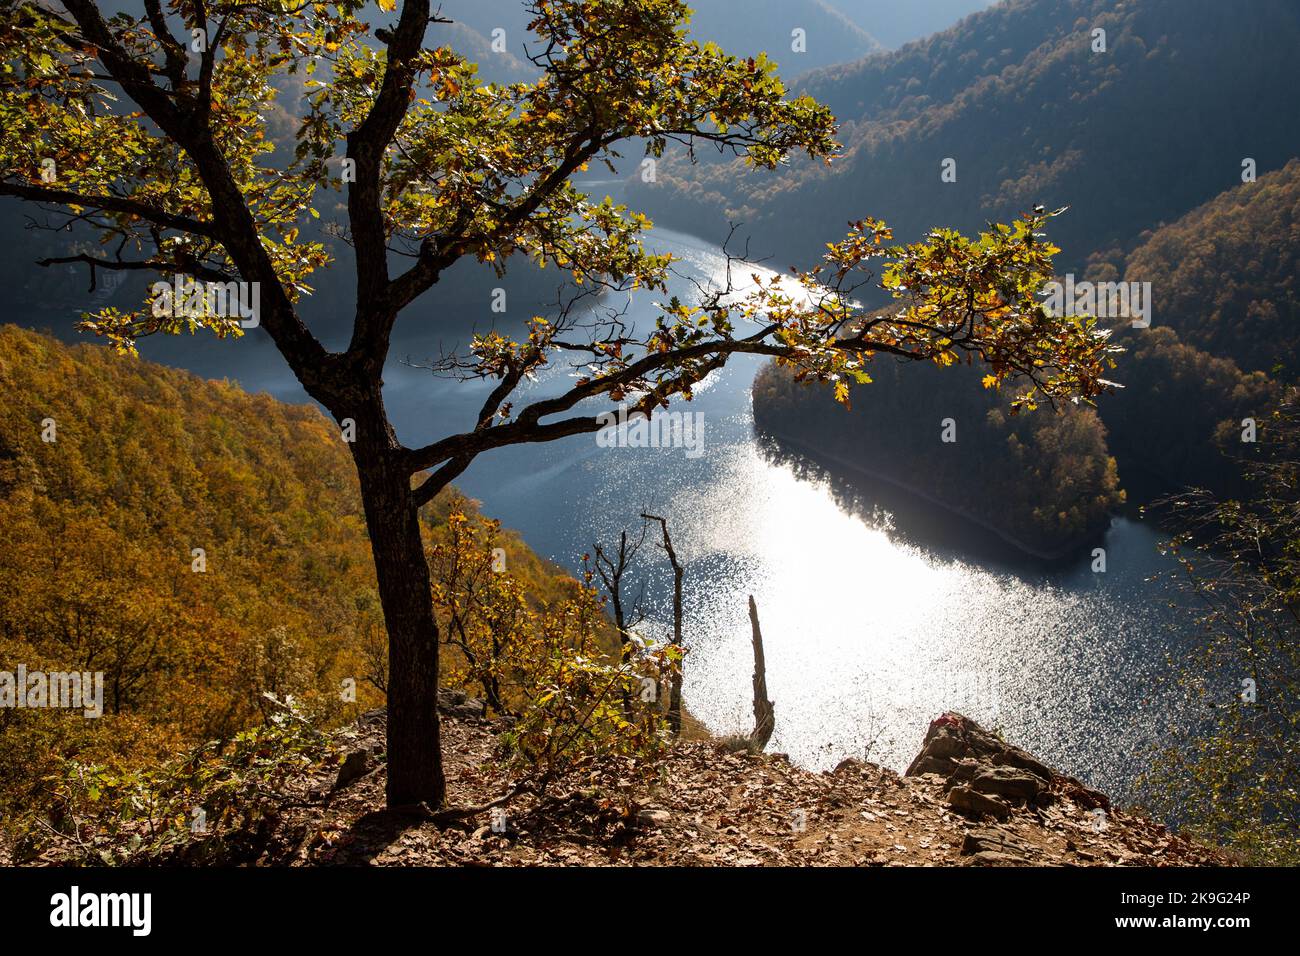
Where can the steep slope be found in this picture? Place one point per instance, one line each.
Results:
(1134, 136)
(113, 471)
(968, 800)
(1226, 276)
(1225, 336)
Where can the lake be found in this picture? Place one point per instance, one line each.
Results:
(871, 627)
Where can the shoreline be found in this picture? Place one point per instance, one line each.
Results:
(820, 456)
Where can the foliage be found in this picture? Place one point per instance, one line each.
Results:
(95, 536)
(1054, 482)
(1235, 776)
(553, 663)
(104, 814)
(586, 707)
(1178, 421)
(441, 168)
(488, 598)
(1224, 275)
(963, 299)
(483, 139)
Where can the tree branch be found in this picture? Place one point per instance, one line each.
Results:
(121, 265)
(122, 204)
(233, 224)
(366, 146)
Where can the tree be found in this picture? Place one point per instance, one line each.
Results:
(152, 131)
(675, 690)
(1232, 771)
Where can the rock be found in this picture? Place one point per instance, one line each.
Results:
(965, 754)
(945, 746)
(924, 763)
(954, 741)
(355, 765)
(654, 817)
(1015, 757)
(1084, 796)
(994, 858)
(990, 840)
(457, 703)
(970, 801)
(965, 770)
(1008, 782)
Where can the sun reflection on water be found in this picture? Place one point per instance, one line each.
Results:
(868, 638)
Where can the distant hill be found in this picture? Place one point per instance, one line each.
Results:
(894, 23)
(1129, 138)
(742, 29)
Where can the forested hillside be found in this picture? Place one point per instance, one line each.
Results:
(1224, 342)
(112, 472)
(1141, 141)
(1226, 276)
(1129, 138)
(1226, 339)
(1043, 480)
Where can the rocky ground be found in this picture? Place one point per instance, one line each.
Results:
(967, 799)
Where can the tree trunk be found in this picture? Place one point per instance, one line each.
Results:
(764, 709)
(675, 690)
(414, 745)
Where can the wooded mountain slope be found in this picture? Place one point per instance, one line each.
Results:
(97, 570)
(1129, 138)
(1145, 142)
(1043, 480)
(1226, 276)
(1225, 340)
(1225, 337)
